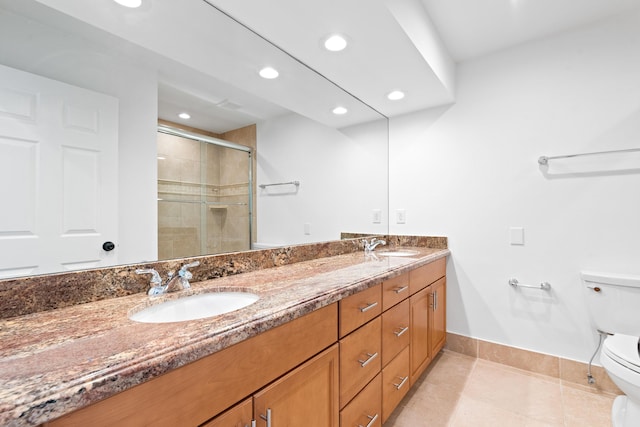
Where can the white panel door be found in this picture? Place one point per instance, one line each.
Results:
(58, 175)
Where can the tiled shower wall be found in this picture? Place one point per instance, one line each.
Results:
(188, 172)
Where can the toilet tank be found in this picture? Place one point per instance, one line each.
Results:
(613, 301)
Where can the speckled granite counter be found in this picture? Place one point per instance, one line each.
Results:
(56, 361)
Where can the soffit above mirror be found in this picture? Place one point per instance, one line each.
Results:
(209, 60)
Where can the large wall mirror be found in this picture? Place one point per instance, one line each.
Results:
(97, 77)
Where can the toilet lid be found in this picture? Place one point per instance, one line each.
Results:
(624, 350)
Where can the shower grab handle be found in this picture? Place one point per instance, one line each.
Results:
(545, 286)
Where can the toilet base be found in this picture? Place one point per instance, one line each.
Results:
(624, 413)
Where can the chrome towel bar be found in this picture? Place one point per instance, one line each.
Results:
(544, 160)
(296, 183)
(545, 286)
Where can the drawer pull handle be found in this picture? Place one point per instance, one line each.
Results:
(401, 331)
(404, 380)
(364, 363)
(267, 418)
(370, 423)
(368, 307)
(401, 289)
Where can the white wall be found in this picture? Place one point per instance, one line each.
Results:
(470, 172)
(342, 174)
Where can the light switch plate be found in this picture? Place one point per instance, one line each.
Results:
(516, 235)
(401, 216)
(377, 216)
(307, 228)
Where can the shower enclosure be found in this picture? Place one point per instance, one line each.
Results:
(204, 195)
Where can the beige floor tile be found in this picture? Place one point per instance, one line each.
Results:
(585, 408)
(474, 413)
(460, 391)
(451, 369)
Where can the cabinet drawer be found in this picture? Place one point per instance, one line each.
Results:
(360, 359)
(395, 331)
(423, 276)
(395, 383)
(395, 290)
(238, 416)
(358, 309)
(366, 408)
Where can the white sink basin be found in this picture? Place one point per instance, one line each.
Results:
(194, 307)
(403, 252)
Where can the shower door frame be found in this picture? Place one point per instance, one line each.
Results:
(170, 130)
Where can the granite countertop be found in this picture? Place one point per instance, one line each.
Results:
(54, 362)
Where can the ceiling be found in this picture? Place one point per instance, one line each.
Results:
(386, 37)
(408, 45)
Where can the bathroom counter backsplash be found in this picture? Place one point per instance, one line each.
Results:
(53, 362)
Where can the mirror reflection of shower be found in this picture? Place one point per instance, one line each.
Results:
(204, 192)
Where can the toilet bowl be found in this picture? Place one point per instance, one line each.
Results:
(613, 301)
(620, 359)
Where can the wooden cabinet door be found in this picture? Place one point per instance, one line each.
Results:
(438, 315)
(419, 328)
(238, 416)
(307, 396)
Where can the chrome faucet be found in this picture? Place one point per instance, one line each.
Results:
(181, 281)
(370, 246)
(174, 282)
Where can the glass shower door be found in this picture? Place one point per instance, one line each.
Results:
(204, 192)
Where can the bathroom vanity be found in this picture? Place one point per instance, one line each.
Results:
(331, 341)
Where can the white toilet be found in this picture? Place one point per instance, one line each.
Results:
(614, 304)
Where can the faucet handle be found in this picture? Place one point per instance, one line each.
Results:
(186, 275)
(186, 267)
(184, 270)
(156, 281)
(155, 276)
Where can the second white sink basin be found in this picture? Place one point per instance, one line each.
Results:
(402, 252)
(194, 307)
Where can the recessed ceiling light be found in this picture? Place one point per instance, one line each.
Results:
(269, 73)
(340, 110)
(395, 95)
(185, 116)
(129, 3)
(335, 43)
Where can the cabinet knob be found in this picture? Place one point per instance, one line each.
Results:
(108, 246)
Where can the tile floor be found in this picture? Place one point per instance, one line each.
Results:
(460, 391)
